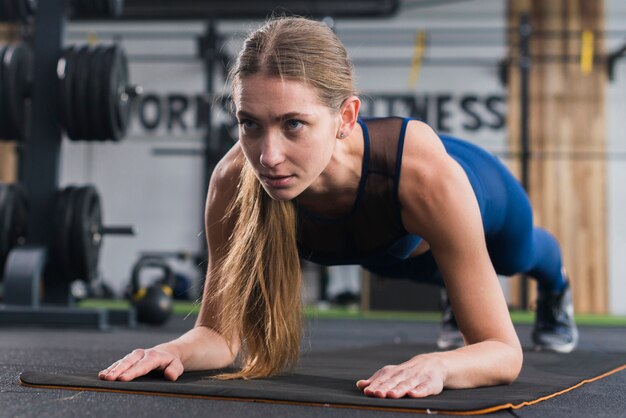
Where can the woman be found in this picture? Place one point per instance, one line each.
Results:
(309, 179)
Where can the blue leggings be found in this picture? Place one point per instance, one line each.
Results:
(515, 245)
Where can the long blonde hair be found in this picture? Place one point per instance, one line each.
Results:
(260, 276)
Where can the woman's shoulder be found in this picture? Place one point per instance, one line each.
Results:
(226, 173)
(224, 181)
(428, 175)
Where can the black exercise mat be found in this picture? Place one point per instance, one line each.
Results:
(328, 379)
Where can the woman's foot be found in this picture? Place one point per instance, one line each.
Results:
(555, 329)
(449, 335)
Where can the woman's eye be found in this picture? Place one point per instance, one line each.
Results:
(293, 124)
(247, 124)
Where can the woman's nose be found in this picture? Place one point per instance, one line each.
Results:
(272, 153)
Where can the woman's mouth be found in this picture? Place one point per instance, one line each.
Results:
(275, 181)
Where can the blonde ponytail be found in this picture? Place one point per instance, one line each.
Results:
(260, 282)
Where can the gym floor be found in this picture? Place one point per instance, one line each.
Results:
(59, 350)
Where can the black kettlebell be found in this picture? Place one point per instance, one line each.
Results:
(153, 303)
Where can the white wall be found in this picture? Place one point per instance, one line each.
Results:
(616, 173)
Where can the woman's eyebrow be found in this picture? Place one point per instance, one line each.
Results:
(278, 118)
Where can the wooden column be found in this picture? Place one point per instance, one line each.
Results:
(567, 135)
(8, 159)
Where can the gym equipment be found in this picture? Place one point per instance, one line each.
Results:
(16, 74)
(59, 87)
(13, 220)
(26, 265)
(78, 232)
(153, 303)
(328, 379)
(95, 92)
(17, 10)
(97, 8)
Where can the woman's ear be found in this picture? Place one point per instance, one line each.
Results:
(348, 113)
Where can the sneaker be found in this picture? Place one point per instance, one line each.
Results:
(555, 329)
(449, 335)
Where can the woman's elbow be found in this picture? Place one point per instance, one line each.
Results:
(514, 362)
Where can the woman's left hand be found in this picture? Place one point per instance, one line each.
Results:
(421, 376)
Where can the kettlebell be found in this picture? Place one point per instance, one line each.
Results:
(153, 303)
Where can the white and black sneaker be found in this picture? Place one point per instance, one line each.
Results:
(449, 335)
(555, 329)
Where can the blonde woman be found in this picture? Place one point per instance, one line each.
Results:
(308, 178)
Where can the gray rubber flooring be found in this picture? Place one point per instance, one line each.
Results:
(54, 350)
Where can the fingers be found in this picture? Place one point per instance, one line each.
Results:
(122, 365)
(399, 381)
(141, 362)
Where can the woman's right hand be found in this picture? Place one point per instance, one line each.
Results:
(141, 362)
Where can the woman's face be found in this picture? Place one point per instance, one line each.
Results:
(287, 134)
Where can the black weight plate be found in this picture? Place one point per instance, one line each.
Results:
(122, 108)
(13, 218)
(77, 255)
(81, 77)
(68, 93)
(95, 94)
(86, 227)
(107, 116)
(61, 249)
(18, 66)
(19, 221)
(93, 239)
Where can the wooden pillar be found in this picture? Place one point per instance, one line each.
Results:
(8, 158)
(567, 133)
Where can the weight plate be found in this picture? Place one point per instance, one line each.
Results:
(79, 104)
(61, 248)
(95, 94)
(68, 92)
(107, 116)
(19, 221)
(122, 106)
(18, 66)
(86, 232)
(13, 220)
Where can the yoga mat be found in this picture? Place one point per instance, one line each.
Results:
(328, 379)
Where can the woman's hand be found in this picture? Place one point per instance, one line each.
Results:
(422, 376)
(141, 362)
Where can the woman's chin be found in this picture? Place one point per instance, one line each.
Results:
(281, 194)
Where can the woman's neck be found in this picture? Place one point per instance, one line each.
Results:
(335, 190)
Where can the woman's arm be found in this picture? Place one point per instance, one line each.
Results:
(439, 205)
(201, 348)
